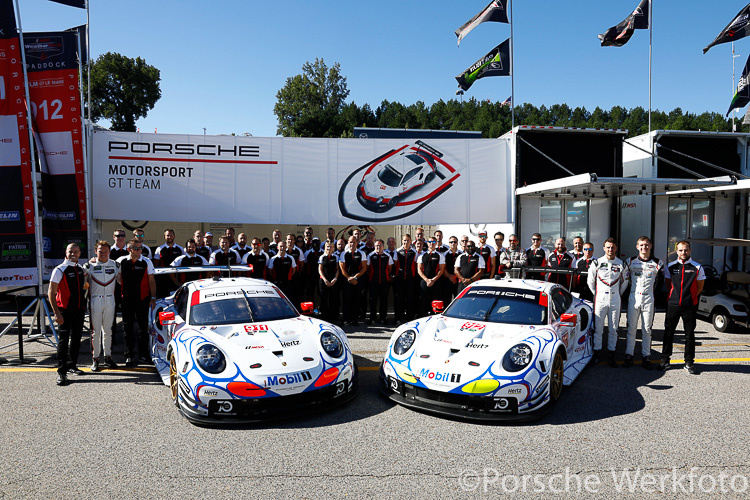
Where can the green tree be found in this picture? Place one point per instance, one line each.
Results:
(122, 90)
(309, 104)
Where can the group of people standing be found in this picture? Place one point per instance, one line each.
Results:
(346, 277)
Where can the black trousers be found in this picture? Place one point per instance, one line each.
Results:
(378, 292)
(404, 299)
(429, 293)
(352, 297)
(674, 314)
(69, 338)
(329, 300)
(135, 315)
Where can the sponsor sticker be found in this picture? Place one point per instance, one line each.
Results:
(255, 328)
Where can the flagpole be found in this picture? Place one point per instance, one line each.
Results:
(32, 156)
(650, 41)
(512, 73)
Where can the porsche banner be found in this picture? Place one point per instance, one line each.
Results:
(17, 241)
(51, 60)
(296, 180)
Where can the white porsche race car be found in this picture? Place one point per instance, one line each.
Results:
(391, 180)
(502, 350)
(236, 350)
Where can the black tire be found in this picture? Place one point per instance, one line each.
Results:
(429, 177)
(721, 321)
(556, 376)
(174, 379)
(393, 202)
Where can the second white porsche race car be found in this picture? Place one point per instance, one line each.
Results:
(502, 350)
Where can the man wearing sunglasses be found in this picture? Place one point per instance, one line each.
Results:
(139, 235)
(117, 250)
(488, 253)
(536, 255)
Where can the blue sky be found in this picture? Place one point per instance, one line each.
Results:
(222, 62)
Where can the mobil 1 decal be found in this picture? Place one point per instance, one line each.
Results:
(398, 183)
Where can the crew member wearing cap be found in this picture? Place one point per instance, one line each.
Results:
(488, 253)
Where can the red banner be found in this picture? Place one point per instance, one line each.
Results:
(51, 61)
(17, 231)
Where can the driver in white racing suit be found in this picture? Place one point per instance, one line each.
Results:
(646, 275)
(102, 274)
(607, 280)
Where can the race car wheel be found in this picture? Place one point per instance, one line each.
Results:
(721, 321)
(174, 378)
(429, 177)
(556, 377)
(393, 202)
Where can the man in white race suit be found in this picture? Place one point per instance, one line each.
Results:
(102, 274)
(607, 280)
(646, 275)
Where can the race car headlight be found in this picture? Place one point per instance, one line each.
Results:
(517, 358)
(331, 345)
(379, 200)
(404, 342)
(210, 359)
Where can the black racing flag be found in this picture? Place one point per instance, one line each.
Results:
(496, 11)
(742, 95)
(81, 4)
(495, 63)
(738, 28)
(617, 36)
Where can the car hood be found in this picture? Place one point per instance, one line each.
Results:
(376, 188)
(277, 346)
(449, 352)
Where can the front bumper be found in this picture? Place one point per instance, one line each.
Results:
(463, 406)
(371, 205)
(254, 410)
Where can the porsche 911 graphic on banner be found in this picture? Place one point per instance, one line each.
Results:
(407, 178)
(280, 180)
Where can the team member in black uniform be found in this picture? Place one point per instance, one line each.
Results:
(118, 249)
(138, 291)
(224, 256)
(298, 279)
(392, 252)
(188, 259)
(441, 247)
(431, 266)
(353, 265)
(379, 266)
(138, 234)
(469, 267)
(686, 279)
(200, 245)
(281, 269)
(163, 257)
(450, 280)
(312, 256)
(583, 264)
(577, 251)
(241, 247)
(65, 293)
(488, 253)
(406, 278)
(258, 259)
(328, 286)
(499, 254)
(560, 259)
(209, 240)
(265, 243)
(536, 255)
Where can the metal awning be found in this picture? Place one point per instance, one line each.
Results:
(740, 187)
(591, 186)
(721, 242)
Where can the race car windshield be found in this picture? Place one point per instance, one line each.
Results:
(230, 311)
(493, 305)
(390, 176)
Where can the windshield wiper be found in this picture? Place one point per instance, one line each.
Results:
(490, 309)
(249, 309)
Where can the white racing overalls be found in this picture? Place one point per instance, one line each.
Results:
(102, 277)
(607, 280)
(645, 277)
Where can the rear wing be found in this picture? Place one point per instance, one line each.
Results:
(199, 269)
(430, 149)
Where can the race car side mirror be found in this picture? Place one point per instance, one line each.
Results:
(568, 319)
(166, 317)
(437, 306)
(307, 307)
